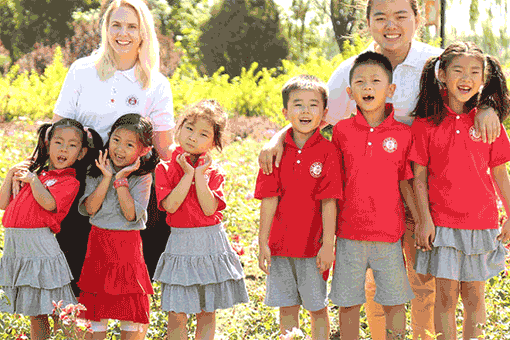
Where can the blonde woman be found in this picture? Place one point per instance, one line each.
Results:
(121, 77)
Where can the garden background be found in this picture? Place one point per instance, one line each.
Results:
(40, 39)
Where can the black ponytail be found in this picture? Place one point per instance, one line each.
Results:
(495, 91)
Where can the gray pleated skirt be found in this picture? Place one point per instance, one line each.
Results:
(463, 255)
(199, 271)
(33, 272)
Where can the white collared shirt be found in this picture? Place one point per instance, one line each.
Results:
(98, 104)
(406, 77)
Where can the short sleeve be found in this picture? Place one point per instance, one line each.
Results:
(216, 181)
(405, 171)
(162, 110)
(67, 102)
(268, 185)
(331, 184)
(140, 189)
(91, 184)
(163, 183)
(500, 150)
(420, 150)
(64, 192)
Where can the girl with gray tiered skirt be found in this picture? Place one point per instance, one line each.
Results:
(199, 271)
(456, 179)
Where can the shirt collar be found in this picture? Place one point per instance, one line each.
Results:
(129, 74)
(360, 119)
(60, 172)
(314, 139)
(450, 112)
(413, 57)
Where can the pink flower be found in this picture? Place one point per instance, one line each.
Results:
(236, 238)
(238, 249)
(249, 196)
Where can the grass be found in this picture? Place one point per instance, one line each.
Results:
(253, 320)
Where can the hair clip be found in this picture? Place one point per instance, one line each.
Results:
(47, 134)
(89, 134)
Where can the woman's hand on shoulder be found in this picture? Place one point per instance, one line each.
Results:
(487, 124)
(103, 163)
(269, 151)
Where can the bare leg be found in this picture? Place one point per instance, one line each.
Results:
(177, 326)
(320, 324)
(395, 321)
(447, 296)
(349, 322)
(135, 335)
(206, 325)
(289, 318)
(375, 312)
(473, 298)
(39, 327)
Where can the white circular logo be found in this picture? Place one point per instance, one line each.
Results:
(474, 135)
(316, 169)
(132, 101)
(389, 144)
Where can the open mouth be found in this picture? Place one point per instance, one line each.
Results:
(305, 121)
(123, 42)
(368, 98)
(392, 36)
(464, 89)
(61, 159)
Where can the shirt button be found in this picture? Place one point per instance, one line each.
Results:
(371, 129)
(299, 151)
(458, 117)
(298, 161)
(369, 143)
(458, 131)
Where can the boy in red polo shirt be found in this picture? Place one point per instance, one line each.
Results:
(374, 150)
(298, 211)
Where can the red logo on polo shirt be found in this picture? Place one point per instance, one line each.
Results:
(316, 169)
(474, 135)
(389, 144)
(132, 101)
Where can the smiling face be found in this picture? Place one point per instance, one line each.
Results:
(392, 24)
(124, 32)
(196, 137)
(124, 148)
(305, 110)
(370, 86)
(65, 148)
(463, 79)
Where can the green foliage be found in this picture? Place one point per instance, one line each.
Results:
(240, 33)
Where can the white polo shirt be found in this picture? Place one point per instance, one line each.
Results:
(406, 77)
(98, 104)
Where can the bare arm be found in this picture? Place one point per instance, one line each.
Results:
(425, 229)
(208, 202)
(500, 176)
(408, 194)
(163, 143)
(41, 194)
(174, 200)
(326, 254)
(6, 189)
(487, 124)
(95, 200)
(271, 149)
(267, 211)
(126, 201)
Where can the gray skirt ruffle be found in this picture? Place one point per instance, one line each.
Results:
(33, 272)
(463, 255)
(199, 270)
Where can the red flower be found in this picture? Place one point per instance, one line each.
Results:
(238, 249)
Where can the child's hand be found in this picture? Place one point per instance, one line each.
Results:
(264, 258)
(425, 235)
(103, 163)
(325, 257)
(125, 172)
(504, 236)
(16, 184)
(186, 167)
(207, 162)
(25, 176)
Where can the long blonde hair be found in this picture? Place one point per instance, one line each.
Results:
(148, 53)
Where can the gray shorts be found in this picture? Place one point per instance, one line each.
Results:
(296, 281)
(353, 258)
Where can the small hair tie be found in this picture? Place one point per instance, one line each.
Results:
(89, 134)
(47, 134)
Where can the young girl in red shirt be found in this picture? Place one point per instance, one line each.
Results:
(114, 280)
(33, 269)
(457, 182)
(199, 271)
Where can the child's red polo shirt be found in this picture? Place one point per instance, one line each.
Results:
(461, 189)
(305, 177)
(189, 214)
(374, 161)
(24, 211)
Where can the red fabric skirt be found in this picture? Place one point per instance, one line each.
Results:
(114, 280)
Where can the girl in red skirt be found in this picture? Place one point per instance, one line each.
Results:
(114, 280)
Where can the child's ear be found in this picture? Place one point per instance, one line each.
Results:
(285, 111)
(145, 151)
(441, 75)
(391, 90)
(349, 92)
(82, 154)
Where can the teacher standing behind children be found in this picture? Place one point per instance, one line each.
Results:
(392, 24)
(121, 77)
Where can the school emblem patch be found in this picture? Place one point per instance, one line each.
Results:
(132, 101)
(50, 183)
(389, 144)
(474, 135)
(316, 169)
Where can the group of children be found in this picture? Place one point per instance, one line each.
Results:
(354, 187)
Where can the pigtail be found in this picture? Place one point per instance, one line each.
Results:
(495, 91)
(147, 163)
(430, 103)
(87, 165)
(40, 155)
